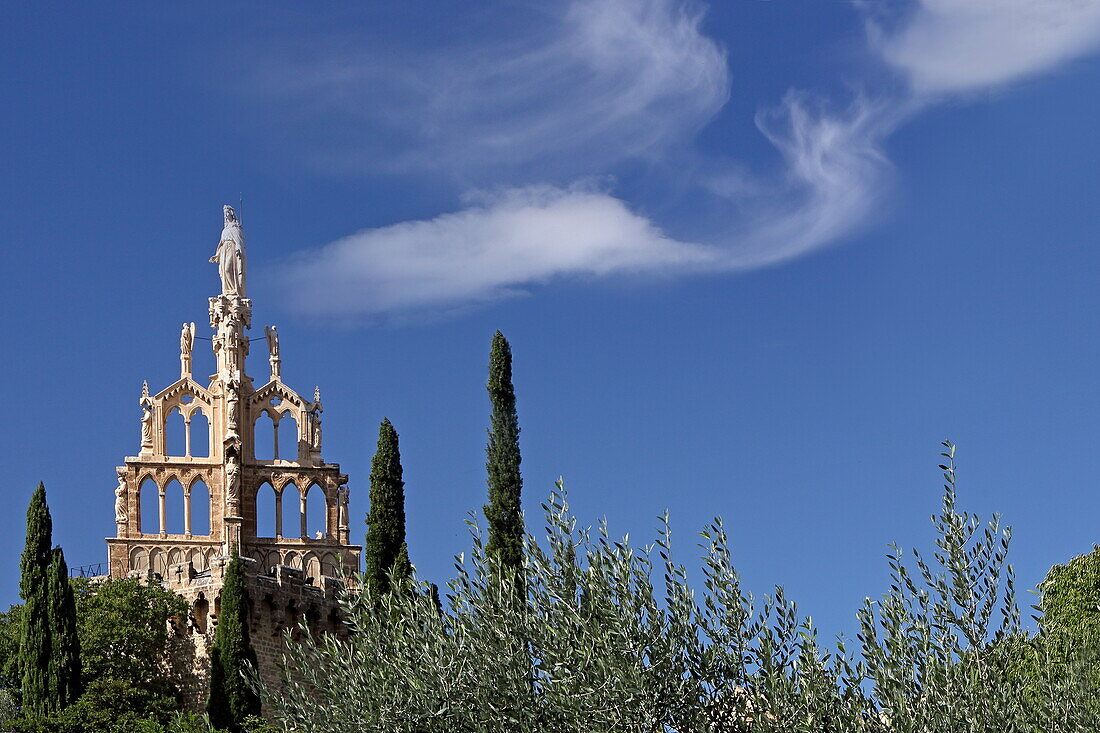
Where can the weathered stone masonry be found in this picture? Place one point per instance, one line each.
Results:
(290, 576)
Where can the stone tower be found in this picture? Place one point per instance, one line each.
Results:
(291, 576)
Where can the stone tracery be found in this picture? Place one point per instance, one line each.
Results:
(231, 407)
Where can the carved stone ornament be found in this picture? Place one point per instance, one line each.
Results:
(187, 343)
(120, 497)
(230, 255)
(232, 483)
(146, 417)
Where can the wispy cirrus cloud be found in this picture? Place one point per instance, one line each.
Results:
(589, 84)
(957, 46)
(610, 80)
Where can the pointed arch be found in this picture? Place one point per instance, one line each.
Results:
(330, 566)
(175, 434)
(292, 560)
(288, 437)
(265, 511)
(316, 512)
(149, 506)
(175, 556)
(200, 508)
(312, 566)
(199, 431)
(174, 507)
(200, 613)
(198, 559)
(263, 437)
(292, 511)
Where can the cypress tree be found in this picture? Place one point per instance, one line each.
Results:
(502, 462)
(34, 632)
(385, 549)
(232, 658)
(64, 678)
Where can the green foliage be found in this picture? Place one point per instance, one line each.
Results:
(1069, 646)
(115, 706)
(10, 630)
(385, 551)
(123, 627)
(64, 672)
(232, 659)
(503, 511)
(1071, 599)
(614, 638)
(34, 644)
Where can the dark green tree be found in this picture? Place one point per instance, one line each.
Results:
(232, 659)
(64, 677)
(10, 629)
(34, 637)
(503, 511)
(385, 547)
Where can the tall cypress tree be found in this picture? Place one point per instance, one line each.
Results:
(502, 462)
(232, 658)
(64, 679)
(385, 547)
(34, 632)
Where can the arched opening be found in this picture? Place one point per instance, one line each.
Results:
(316, 513)
(149, 501)
(139, 559)
(270, 613)
(292, 560)
(157, 562)
(200, 435)
(175, 556)
(313, 619)
(174, 507)
(312, 568)
(198, 559)
(263, 437)
(291, 618)
(329, 566)
(200, 509)
(265, 510)
(292, 511)
(288, 437)
(175, 438)
(200, 612)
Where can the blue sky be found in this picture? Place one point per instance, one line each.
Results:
(755, 259)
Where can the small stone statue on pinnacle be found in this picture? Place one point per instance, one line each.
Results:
(187, 343)
(273, 350)
(120, 498)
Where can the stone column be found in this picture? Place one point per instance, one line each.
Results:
(187, 510)
(302, 513)
(163, 512)
(278, 515)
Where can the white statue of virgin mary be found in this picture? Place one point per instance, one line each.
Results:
(230, 255)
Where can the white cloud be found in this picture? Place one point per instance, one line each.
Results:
(578, 89)
(507, 242)
(836, 176)
(486, 252)
(620, 78)
(953, 46)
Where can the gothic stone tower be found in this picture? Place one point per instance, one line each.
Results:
(291, 576)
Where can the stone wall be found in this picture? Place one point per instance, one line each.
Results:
(280, 599)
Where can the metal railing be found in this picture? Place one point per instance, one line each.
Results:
(88, 571)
